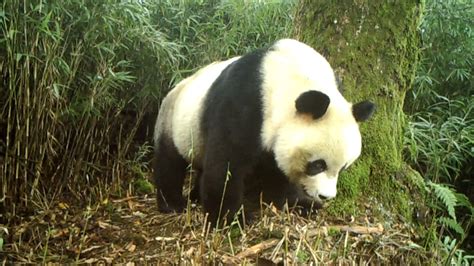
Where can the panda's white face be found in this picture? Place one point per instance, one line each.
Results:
(310, 127)
(312, 153)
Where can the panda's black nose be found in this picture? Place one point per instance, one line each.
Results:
(323, 197)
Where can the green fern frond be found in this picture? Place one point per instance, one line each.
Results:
(452, 224)
(463, 201)
(447, 196)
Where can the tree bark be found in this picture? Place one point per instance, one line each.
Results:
(374, 47)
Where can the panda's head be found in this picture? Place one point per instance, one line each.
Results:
(321, 140)
(311, 128)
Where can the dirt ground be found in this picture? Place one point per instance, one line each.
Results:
(131, 230)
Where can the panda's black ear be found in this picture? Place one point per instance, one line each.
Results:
(312, 102)
(363, 110)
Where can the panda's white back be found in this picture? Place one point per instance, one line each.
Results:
(180, 112)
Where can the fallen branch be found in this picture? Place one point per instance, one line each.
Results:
(356, 229)
(251, 251)
(255, 249)
(124, 199)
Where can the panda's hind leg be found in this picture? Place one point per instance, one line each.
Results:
(169, 174)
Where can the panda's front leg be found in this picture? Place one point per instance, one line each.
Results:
(222, 187)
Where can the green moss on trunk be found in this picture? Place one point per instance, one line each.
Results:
(373, 46)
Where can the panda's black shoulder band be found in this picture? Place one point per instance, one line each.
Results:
(312, 102)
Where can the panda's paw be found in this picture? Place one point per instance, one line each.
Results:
(194, 196)
(305, 211)
(244, 218)
(307, 208)
(170, 205)
(249, 218)
(170, 209)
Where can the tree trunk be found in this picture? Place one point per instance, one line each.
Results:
(373, 46)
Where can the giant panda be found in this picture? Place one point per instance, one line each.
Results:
(272, 120)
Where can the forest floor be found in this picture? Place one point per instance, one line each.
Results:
(131, 230)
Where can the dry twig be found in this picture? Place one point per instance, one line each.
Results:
(357, 229)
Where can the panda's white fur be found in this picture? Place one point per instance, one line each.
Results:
(285, 71)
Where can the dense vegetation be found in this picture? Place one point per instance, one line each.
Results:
(82, 80)
(440, 135)
(441, 103)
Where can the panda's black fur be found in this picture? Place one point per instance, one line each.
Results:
(231, 125)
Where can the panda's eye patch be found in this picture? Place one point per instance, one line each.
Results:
(316, 167)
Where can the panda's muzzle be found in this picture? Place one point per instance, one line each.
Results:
(317, 201)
